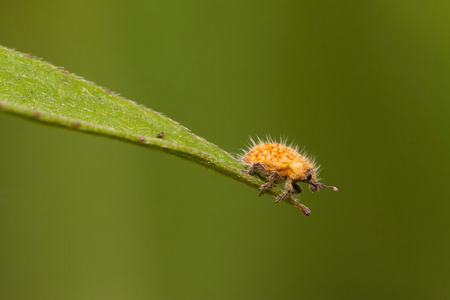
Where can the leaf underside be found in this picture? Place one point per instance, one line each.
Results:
(41, 92)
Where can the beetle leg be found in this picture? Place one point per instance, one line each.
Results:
(257, 167)
(288, 191)
(297, 188)
(274, 178)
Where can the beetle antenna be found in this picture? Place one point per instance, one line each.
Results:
(327, 187)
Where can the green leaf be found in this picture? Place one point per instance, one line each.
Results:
(41, 92)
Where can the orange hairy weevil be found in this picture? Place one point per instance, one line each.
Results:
(278, 163)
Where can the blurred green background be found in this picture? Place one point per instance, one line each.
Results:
(363, 85)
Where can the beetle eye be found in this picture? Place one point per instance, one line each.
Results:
(308, 177)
